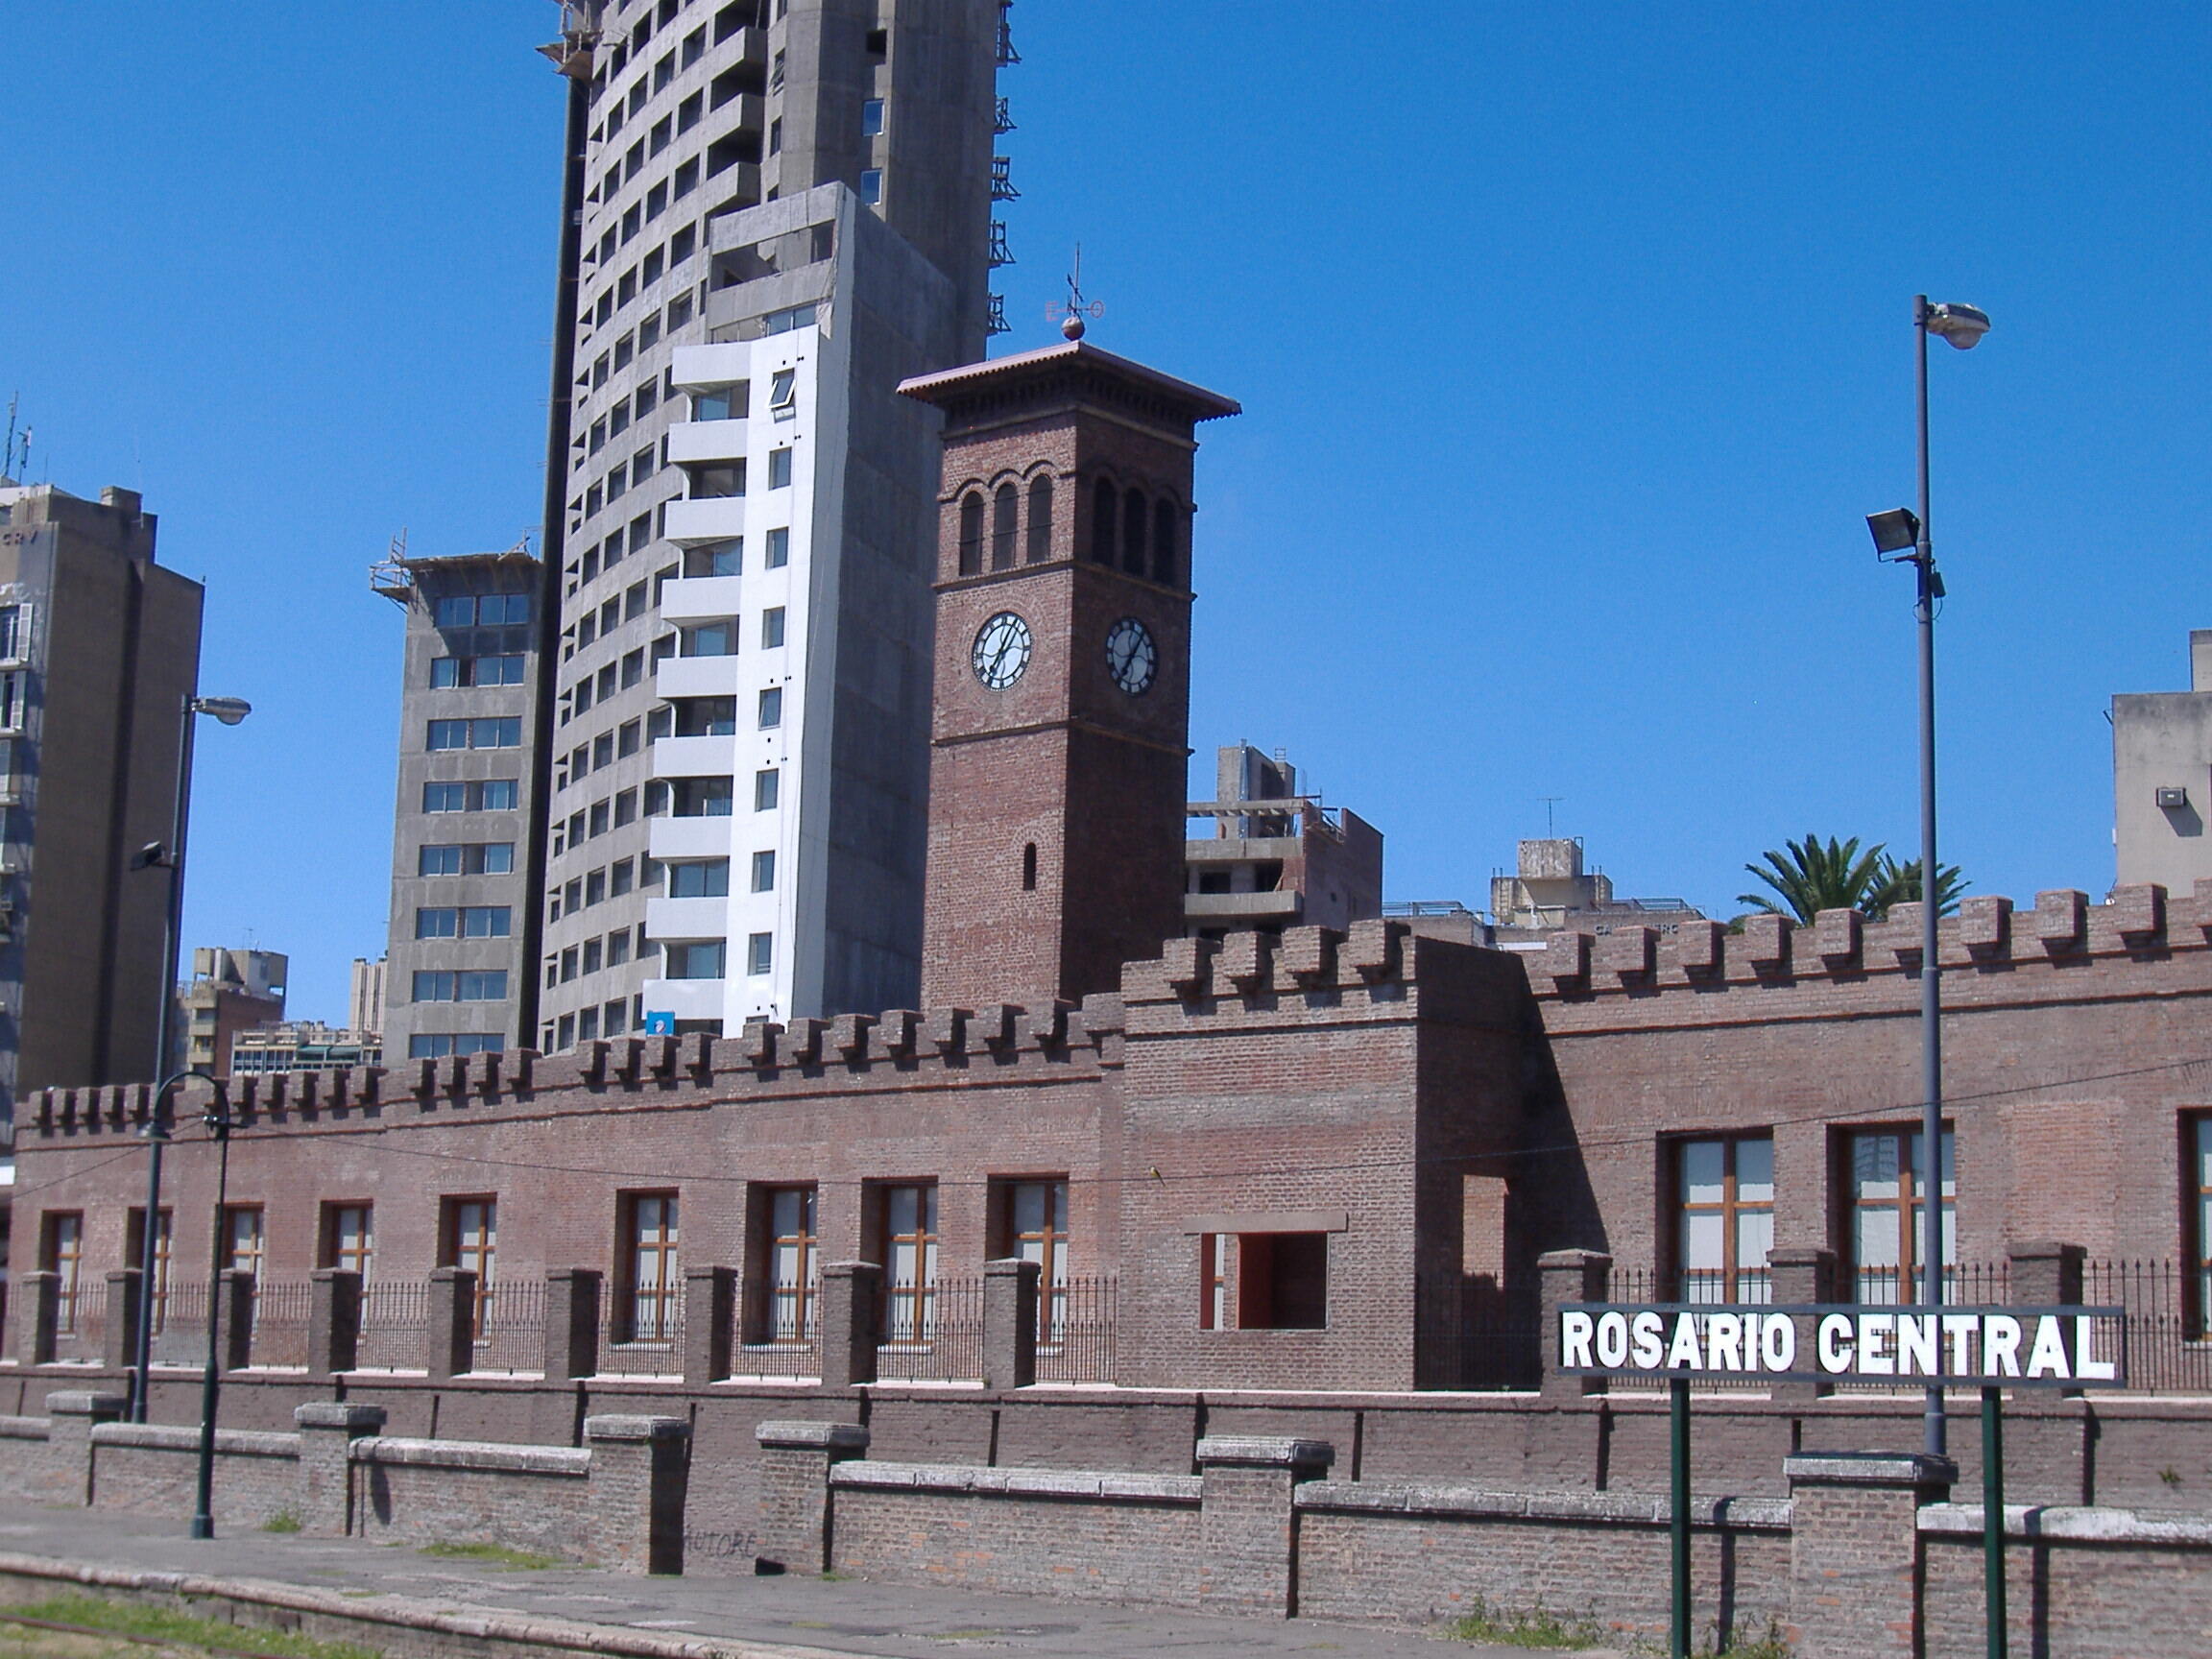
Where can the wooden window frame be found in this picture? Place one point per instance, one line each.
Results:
(1905, 1206)
(1731, 1209)
(652, 1233)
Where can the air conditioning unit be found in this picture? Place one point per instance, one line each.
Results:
(2173, 794)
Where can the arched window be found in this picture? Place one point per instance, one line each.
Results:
(1005, 510)
(1166, 566)
(1133, 558)
(1029, 868)
(1040, 520)
(1102, 503)
(972, 534)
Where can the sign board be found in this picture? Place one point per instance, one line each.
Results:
(659, 1024)
(2067, 1347)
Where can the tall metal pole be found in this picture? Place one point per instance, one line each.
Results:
(1997, 1637)
(211, 1381)
(1679, 1520)
(1933, 1435)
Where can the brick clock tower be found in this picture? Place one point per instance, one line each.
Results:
(1063, 673)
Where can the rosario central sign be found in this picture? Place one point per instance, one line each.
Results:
(1973, 1347)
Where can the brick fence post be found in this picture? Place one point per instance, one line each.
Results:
(1798, 1277)
(334, 1320)
(234, 1319)
(1010, 1323)
(710, 1315)
(571, 1323)
(1247, 1526)
(327, 1429)
(119, 1342)
(38, 1302)
(1568, 1275)
(450, 1334)
(851, 1302)
(795, 1460)
(71, 1416)
(2045, 1273)
(640, 1469)
(1855, 1550)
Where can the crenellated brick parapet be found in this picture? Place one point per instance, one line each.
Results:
(1252, 965)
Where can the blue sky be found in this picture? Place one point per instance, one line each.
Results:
(1573, 339)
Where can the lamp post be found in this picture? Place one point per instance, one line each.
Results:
(1901, 537)
(148, 1256)
(218, 1122)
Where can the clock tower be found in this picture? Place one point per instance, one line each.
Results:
(1063, 673)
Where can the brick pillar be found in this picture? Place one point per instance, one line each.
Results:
(334, 1320)
(571, 1323)
(1855, 1550)
(1798, 1277)
(1010, 1323)
(120, 1345)
(234, 1319)
(1247, 1526)
(71, 1416)
(795, 1460)
(449, 1335)
(710, 1316)
(639, 1474)
(1568, 1275)
(38, 1301)
(850, 1314)
(2047, 1274)
(327, 1429)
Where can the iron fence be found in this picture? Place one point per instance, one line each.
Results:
(394, 1326)
(1075, 1330)
(509, 1328)
(1468, 1334)
(281, 1317)
(939, 1333)
(778, 1325)
(643, 1335)
(2168, 1350)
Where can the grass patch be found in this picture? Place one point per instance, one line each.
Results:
(283, 1521)
(1536, 1627)
(169, 1625)
(498, 1554)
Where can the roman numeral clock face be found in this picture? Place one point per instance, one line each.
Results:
(1001, 651)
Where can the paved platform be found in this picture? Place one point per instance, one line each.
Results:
(702, 1617)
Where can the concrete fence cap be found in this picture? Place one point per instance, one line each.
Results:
(86, 1403)
(1267, 1450)
(815, 1436)
(1869, 1469)
(337, 1414)
(632, 1426)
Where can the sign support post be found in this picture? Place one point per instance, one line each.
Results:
(1993, 1519)
(1678, 1415)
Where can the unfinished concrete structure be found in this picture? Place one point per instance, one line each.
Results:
(99, 650)
(2162, 776)
(1549, 889)
(1276, 858)
(231, 992)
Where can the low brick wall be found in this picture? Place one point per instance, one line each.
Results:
(2088, 1583)
(28, 1467)
(154, 1469)
(1414, 1555)
(1072, 1534)
(536, 1498)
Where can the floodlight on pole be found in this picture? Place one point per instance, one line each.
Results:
(1962, 326)
(1897, 531)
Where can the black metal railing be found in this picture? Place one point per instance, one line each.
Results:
(395, 1325)
(642, 1335)
(932, 1332)
(1075, 1330)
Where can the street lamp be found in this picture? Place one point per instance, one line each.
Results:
(1901, 538)
(229, 710)
(219, 1125)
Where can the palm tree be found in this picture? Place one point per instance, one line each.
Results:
(1902, 886)
(1816, 877)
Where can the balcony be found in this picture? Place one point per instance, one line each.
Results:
(687, 919)
(706, 441)
(701, 598)
(676, 677)
(711, 365)
(713, 519)
(686, 998)
(695, 756)
(679, 838)
(1281, 906)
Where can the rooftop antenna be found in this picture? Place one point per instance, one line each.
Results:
(1070, 316)
(7, 449)
(1550, 802)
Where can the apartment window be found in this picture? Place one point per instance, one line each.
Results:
(495, 734)
(438, 1045)
(1039, 547)
(771, 708)
(1724, 1218)
(765, 789)
(633, 668)
(1005, 514)
(615, 1017)
(718, 638)
(440, 985)
(2199, 1199)
(872, 185)
(628, 740)
(452, 672)
(871, 117)
(464, 922)
(972, 534)
(349, 1237)
(910, 1261)
(618, 946)
(701, 797)
(771, 628)
(619, 877)
(720, 480)
(1036, 1229)
(61, 1252)
(705, 716)
(715, 559)
(775, 136)
(701, 878)
(594, 890)
(1889, 1176)
(467, 858)
(764, 871)
(470, 1242)
(697, 960)
(790, 1264)
(779, 468)
(567, 965)
(783, 393)
(723, 402)
(599, 819)
(15, 638)
(760, 953)
(1263, 1280)
(603, 750)
(653, 1279)
(494, 795)
(779, 551)
(445, 796)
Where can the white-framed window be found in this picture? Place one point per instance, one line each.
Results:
(783, 393)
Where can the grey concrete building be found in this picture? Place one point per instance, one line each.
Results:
(231, 993)
(1273, 857)
(456, 970)
(2163, 778)
(99, 651)
(786, 211)
(1548, 891)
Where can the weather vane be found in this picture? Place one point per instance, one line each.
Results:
(1070, 316)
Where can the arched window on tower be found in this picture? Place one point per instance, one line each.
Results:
(1166, 565)
(972, 534)
(1005, 511)
(1029, 868)
(1102, 503)
(1133, 558)
(1039, 519)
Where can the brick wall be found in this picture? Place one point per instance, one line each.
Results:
(151, 1469)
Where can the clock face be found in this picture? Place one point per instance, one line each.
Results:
(1001, 651)
(1131, 657)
